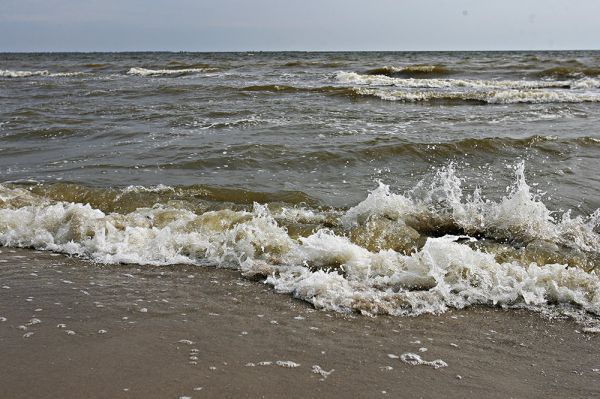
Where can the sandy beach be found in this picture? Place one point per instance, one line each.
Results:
(71, 329)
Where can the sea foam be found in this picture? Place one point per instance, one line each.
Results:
(513, 252)
(486, 91)
(167, 72)
(25, 74)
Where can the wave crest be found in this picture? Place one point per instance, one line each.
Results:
(482, 97)
(26, 74)
(425, 251)
(168, 72)
(411, 71)
(563, 72)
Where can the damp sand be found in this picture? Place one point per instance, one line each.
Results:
(70, 329)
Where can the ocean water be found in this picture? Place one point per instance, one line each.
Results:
(378, 183)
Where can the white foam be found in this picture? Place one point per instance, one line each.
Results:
(415, 360)
(585, 83)
(519, 215)
(488, 91)
(316, 369)
(152, 189)
(287, 364)
(22, 74)
(411, 83)
(25, 74)
(326, 268)
(167, 72)
(509, 96)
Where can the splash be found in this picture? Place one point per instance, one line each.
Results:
(425, 251)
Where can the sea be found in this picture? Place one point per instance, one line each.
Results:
(374, 183)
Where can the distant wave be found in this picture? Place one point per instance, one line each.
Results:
(185, 65)
(95, 65)
(451, 91)
(6, 73)
(313, 64)
(168, 72)
(481, 91)
(415, 71)
(563, 72)
(484, 97)
(237, 123)
(379, 80)
(272, 88)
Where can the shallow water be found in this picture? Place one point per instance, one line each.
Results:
(398, 183)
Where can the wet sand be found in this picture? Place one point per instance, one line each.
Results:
(71, 329)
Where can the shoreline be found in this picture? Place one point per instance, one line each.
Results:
(127, 331)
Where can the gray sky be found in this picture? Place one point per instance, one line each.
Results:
(229, 25)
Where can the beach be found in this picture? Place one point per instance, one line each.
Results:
(126, 331)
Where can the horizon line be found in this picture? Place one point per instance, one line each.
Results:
(287, 51)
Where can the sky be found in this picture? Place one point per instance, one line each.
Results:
(273, 25)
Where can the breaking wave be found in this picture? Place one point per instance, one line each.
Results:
(411, 71)
(563, 72)
(169, 72)
(484, 97)
(26, 74)
(425, 251)
(379, 80)
(481, 91)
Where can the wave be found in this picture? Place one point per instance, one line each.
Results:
(25, 74)
(275, 88)
(478, 91)
(457, 148)
(563, 72)
(411, 71)
(355, 78)
(446, 90)
(425, 251)
(237, 123)
(482, 97)
(313, 64)
(130, 198)
(95, 65)
(168, 72)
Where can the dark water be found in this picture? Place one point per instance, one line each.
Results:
(170, 150)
